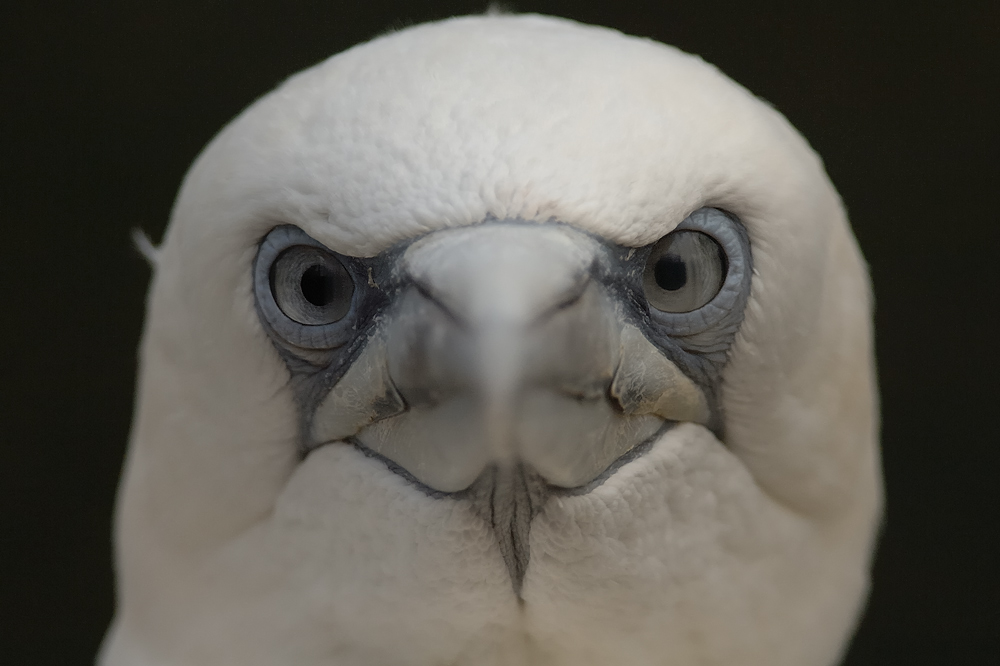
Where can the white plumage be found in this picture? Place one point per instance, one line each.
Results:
(231, 549)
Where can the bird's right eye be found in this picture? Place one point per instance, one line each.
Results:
(310, 286)
(307, 295)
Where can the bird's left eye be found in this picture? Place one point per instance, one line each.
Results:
(311, 286)
(685, 270)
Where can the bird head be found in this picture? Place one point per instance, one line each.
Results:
(502, 339)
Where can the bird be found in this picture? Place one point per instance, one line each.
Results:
(502, 339)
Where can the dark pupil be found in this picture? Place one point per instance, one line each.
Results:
(318, 285)
(670, 272)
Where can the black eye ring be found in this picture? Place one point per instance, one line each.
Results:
(722, 244)
(306, 293)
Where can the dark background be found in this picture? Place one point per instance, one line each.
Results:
(105, 104)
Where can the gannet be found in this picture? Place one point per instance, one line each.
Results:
(502, 340)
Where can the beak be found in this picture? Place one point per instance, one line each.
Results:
(506, 371)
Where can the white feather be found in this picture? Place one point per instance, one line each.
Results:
(145, 247)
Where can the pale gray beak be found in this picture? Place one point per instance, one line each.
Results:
(506, 370)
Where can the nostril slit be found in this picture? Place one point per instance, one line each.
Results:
(585, 392)
(614, 401)
(429, 296)
(573, 295)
